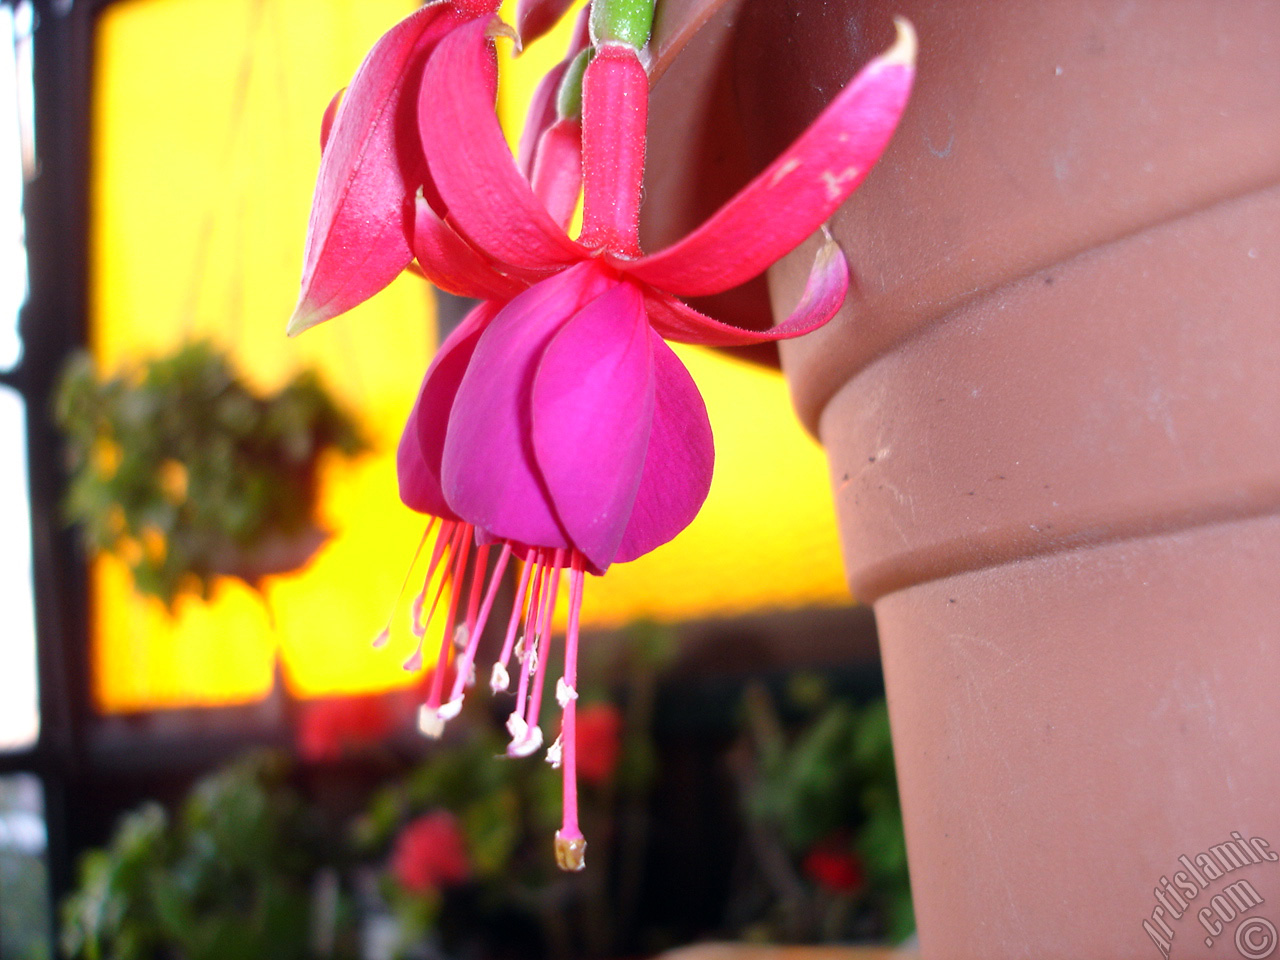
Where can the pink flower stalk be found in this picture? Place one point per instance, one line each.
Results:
(555, 423)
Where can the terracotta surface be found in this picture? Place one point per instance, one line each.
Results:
(745, 951)
(1053, 417)
(1036, 131)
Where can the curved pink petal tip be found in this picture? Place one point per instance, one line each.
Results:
(359, 235)
(487, 196)
(823, 295)
(451, 263)
(326, 121)
(534, 18)
(772, 214)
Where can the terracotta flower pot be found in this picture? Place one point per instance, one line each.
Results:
(1052, 413)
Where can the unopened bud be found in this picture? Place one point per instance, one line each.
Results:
(569, 96)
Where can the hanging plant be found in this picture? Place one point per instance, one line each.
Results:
(185, 473)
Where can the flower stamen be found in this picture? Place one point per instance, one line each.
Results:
(543, 639)
(570, 845)
(447, 538)
(529, 637)
(459, 568)
(467, 662)
(384, 635)
(532, 619)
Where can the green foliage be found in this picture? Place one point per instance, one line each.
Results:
(229, 877)
(24, 889)
(185, 473)
(468, 779)
(508, 811)
(830, 786)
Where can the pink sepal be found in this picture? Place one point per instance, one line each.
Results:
(488, 198)
(454, 265)
(796, 193)
(823, 294)
(557, 172)
(360, 234)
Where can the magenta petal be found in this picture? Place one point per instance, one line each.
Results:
(772, 214)
(535, 17)
(541, 114)
(422, 443)
(326, 121)
(543, 107)
(557, 170)
(490, 475)
(473, 169)
(823, 294)
(454, 265)
(592, 406)
(359, 236)
(678, 465)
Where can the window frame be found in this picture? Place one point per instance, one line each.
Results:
(52, 325)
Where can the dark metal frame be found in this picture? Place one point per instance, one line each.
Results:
(91, 767)
(53, 323)
(81, 770)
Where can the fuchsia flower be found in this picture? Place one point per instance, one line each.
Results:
(555, 423)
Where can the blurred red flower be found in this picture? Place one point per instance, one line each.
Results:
(599, 730)
(833, 866)
(431, 853)
(330, 727)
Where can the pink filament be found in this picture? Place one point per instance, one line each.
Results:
(517, 609)
(544, 638)
(568, 719)
(530, 636)
(447, 537)
(460, 554)
(385, 634)
(477, 623)
(477, 584)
